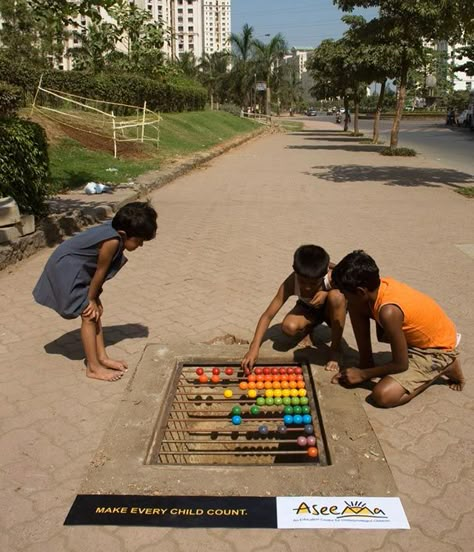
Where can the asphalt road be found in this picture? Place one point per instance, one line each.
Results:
(452, 147)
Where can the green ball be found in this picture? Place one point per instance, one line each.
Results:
(278, 401)
(297, 410)
(286, 400)
(295, 401)
(288, 410)
(236, 411)
(254, 410)
(260, 401)
(305, 409)
(269, 401)
(304, 400)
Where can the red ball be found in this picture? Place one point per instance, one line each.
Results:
(267, 371)
(258, 371)
(290, 370)
(312, 452)
(216, 371)
(275, 371)
(203, 378)
(199, 371)
(282, 370)
(298, 370)
(229, 371)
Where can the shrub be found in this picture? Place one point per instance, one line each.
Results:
(10, 99)
(399, 152)
(24, 164)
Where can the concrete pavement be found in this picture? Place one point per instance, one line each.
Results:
(226, 236)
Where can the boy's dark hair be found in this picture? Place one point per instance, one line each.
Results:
(137, 220)
(311, 261)
(357, 269)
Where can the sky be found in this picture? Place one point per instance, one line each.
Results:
(303, 23)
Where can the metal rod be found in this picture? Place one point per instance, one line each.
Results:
(234, 453)
(262, 443)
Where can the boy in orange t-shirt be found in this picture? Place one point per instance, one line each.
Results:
(422, 337)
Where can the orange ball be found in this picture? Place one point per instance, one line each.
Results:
(259, 385)
(268, 385)
(276, 385)
(252, 377)
(284, 377)
(252, 385)
(243, 385)
(215, 378)
(284, 384)
(260, 377)
(299, 377)
(292, 384)
(268, 377)
(312, 452)
(292, 377)
(203, 378)
(300, 384)
(277, 377)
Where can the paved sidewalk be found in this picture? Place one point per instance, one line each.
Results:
(227, 232)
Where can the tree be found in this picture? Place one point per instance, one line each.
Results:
(409, 25)
(96, 45)
(213, 71)
(242, 66)
(268, 58)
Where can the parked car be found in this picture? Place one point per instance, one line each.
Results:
(463, 118)
(311, 112)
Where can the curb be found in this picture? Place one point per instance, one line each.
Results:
(65, 221)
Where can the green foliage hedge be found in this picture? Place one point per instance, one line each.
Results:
(24, 164)
(173, 94)
(10, 99)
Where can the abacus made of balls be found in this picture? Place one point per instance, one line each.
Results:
(282, 387)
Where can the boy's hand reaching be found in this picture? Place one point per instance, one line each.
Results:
(349, 376)
(249, 360)
(319, 298)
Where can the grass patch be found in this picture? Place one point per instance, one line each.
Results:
(181, 134)
(291, 126)
(467, 191)
(399, 152)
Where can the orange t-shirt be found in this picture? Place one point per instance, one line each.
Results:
(425, 324)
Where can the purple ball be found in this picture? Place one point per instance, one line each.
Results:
(302, 441)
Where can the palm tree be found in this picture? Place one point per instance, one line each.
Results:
(213, 71)
(242, 46)
(268, 57)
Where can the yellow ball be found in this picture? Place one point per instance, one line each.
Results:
(269, 393)
(302, 393)
(228, 393)
(252, 393)
(285, 392)
(294, 393)
(277, 393)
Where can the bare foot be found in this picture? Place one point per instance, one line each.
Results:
(120, 365)
(102, 373)
(332, 366)
(455, 376)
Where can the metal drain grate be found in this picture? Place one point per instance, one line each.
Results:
(219, 415)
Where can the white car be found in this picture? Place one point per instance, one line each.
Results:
(463, 118)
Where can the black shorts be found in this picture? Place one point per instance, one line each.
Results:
(316, 315)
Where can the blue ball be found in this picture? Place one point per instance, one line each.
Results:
(297, 419)
(307, 419)
(288, 419)
(309, 429)
(236, 420)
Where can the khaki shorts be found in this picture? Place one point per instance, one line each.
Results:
(424, 365)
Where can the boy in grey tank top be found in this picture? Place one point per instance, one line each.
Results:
(317, 302)
(72, 280)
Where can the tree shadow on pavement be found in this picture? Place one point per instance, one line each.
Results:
(70, 344)
(394, 176)
(356, 147)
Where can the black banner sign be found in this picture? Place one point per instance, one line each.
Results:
(174, 511)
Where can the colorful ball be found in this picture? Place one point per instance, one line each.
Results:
(216, 371)
(254, 410)
(203, 378)
(287, 419)
(311, 440)
(308, 429)
(302, 441)
(269, 393)
(300, 384)
(312, 452)
(263, 430)
(297, 419)
(290, 370)
(260, 401)
(199, 371)
(268, 385)
(215, 378)
(229, 371)
(266, 371)
(277, 393)
(285, 392)
(251, 377)
(269, 401)
(259, 385)
(288, 410)
(304, 400)
(243, 385)
(298, 370)
(251, 393)
(278, 401)
(258, 371)
(282, 371)
(286, 400)
(294, 393)
(301, 392)
(282, 428)
(305, 409)
(295, 401)
(236, 411)
(252, 385)
(307, 419)
(275, 371)
(228, 393)
(236, 420)
(297, 409)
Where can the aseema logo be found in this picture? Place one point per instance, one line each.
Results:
(352, 510)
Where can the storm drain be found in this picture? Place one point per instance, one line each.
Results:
(218, 415)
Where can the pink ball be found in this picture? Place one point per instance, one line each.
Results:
(311, 440)
(302, 441)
